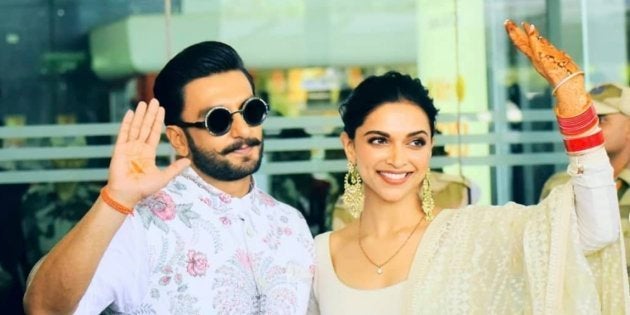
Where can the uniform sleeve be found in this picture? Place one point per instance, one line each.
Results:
(121, 278)
(597, 207)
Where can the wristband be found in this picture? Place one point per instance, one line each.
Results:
(579, 124)
(578, 145)
(113, 203)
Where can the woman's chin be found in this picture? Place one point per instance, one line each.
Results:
(393, 197)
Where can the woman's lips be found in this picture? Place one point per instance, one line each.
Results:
(394, 178)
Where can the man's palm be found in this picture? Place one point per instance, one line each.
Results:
(133, 174)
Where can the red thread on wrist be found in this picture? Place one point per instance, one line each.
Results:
(577, 145)
(581, 123)
(113, 203)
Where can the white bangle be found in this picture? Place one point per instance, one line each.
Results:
(563, 81)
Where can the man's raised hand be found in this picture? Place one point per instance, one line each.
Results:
(133, 173)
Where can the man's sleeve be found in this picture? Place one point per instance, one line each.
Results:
(121, 278)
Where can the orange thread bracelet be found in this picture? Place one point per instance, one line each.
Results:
(113, 203)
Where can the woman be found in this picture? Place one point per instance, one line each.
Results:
(403, 255)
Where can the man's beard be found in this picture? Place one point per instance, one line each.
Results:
(217, 166)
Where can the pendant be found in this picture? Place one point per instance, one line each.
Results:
(379, 270)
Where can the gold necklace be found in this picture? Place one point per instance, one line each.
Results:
(379, 267)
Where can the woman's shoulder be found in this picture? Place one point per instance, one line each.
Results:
(342, 235)
(333, 240)
(322, 238)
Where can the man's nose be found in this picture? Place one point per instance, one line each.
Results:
(240, 128)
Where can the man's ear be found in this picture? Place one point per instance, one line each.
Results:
(178, 140)
(348, 147)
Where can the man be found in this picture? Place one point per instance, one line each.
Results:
(198, 240)
(612, 103)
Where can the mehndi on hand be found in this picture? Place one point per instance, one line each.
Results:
(576, 115)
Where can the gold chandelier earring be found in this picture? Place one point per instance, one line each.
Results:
(427, 197)
(353, 191)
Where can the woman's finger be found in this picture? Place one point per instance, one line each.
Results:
(556, 64)
(518, 37)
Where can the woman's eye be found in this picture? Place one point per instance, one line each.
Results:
(377, 140)
(418, 142)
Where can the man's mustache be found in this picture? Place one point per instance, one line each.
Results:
(238, 144)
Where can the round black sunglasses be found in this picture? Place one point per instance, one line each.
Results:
(218, 120)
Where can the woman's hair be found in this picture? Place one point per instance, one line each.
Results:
(197, 61)
(378, 90)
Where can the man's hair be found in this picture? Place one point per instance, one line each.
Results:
(196, 61)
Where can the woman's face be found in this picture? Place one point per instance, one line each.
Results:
(392, 150)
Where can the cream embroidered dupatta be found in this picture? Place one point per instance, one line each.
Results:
(515, 259)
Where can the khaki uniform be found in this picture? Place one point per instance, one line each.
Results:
(449, 191)
(624, 207)
(623, 193)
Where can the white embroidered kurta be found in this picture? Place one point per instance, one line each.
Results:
(192, 249)
(510, 259)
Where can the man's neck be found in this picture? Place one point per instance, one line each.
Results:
(235, 188)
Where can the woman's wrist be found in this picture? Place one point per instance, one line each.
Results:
(572, 106)
(584, 143)
(572, 98)
(581, 124)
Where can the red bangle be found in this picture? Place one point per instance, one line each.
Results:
(113, 203)
(581, 123)
(577, 145)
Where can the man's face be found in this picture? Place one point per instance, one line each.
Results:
(237, 153)
(616, 130)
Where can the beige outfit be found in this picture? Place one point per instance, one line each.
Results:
(510, 259)
(335, 297)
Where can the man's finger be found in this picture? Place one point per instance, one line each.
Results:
(123, 131)
(174, 169)
(136, 123)
(156, 129)
(149, 121)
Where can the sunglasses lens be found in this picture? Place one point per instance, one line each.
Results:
(219, 121)
(255, 112)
